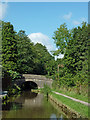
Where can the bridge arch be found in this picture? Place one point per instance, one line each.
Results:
(28, 85)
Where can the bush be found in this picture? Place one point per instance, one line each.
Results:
(14, 74)
(46, 90)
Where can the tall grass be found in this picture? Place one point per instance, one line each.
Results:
(73, 92)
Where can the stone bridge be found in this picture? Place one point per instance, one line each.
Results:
(40, 80)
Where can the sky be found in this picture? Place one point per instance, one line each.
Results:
(41, 19)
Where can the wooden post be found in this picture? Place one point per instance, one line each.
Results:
(59, 65)
(58, 71)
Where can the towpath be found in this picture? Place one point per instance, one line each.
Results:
(74, 99)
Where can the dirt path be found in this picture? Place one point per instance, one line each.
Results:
(85, 103)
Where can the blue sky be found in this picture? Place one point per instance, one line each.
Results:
(40, 20)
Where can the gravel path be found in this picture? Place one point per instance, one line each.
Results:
(85, 103)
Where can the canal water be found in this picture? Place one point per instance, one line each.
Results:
(31, 105)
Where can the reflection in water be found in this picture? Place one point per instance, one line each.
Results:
(30, 105)
(17, 104)
(53, 117)
(61, 118)
(29, 95)
(11, 106)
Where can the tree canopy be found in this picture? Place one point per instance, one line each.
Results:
(20, 55)
(75, 61)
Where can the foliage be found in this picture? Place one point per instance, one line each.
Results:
(0, 45)
(43, 59)
(46, 90)
(14, 74)
(75, 62)
(25, 54)
(61, 38)
(20, 55)
(14, 90)
(9, 47)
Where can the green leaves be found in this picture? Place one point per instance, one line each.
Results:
(73, 44)
(14, 74)
(9, 46)
(46, 90)
(42, 60)
(25, 54)
(61, 38)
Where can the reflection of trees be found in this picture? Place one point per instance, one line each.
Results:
(17, 104)
(25, 95)
(11, 106)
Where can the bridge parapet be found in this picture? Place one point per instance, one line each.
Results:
(32, 76)
(40, 80)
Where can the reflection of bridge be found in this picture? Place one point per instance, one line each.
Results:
(40, 80)
(30, 99)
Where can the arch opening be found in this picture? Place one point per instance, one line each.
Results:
(28, 85)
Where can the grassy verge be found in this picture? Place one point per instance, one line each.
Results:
(72, 94)
(75, 106)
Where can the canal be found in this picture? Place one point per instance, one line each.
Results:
(31, 105)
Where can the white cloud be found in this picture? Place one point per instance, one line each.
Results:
(67, 16)
(60, 56)
(43, 39)
(76, 22)
(3, 9)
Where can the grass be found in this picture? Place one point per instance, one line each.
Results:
(72, 94)
(78, 107)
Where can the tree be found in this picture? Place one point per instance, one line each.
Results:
(42, 59)
(61, 38)
(25, 60)
(0, 44)
(9, 53)
(9, 47)
(75, 54)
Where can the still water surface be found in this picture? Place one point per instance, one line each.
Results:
(31, 105)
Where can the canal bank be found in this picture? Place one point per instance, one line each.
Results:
(67, 111)
(70, 107)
